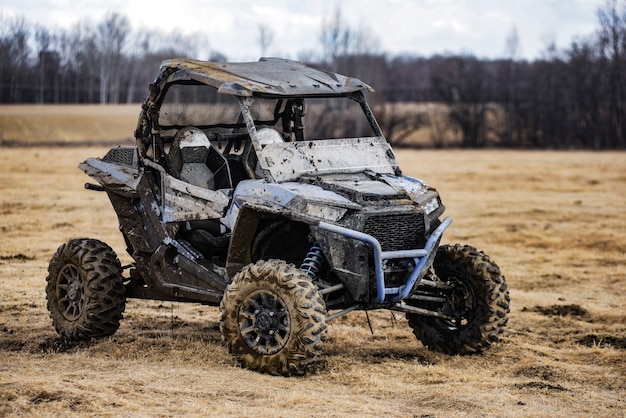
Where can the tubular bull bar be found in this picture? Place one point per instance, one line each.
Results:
(422, 257)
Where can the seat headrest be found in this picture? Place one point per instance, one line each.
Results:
(191, 137)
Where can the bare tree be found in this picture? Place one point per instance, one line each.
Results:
(512, 44)
(507, 123)
(47, 58)
(338, 39)
(585, 109)
(612, 45)
(112, 34)
(265, 38)
(399, 122)
(81, 61)
(461, 83)
(335, 36)
(14, 59)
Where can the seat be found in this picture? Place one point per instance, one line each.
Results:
(269, 136)
(188, 157)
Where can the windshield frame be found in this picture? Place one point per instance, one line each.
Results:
(287, 161)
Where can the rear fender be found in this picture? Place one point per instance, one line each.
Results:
(118, 171)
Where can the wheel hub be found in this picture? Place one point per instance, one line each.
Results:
(73, 291)
(460, 305)
(264, 322)
(70, 292)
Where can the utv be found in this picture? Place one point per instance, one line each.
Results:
(229, 198)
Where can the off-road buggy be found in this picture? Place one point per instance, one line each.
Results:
(229, 198)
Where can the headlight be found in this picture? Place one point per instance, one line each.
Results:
(431, 205)
(330, 213)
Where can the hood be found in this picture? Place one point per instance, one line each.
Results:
(364, 187)
(329, 197)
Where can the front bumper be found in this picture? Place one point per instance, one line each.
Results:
(423, 258)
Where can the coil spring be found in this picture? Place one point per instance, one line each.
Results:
(313, 261)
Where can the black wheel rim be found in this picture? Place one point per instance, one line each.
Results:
(264, 322)
(70, 293)
(461, 304)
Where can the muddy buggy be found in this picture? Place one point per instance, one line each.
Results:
(238, 195)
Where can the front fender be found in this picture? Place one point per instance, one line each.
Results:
(246, 227)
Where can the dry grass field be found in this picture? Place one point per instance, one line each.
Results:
(554, 221)
(67, 124)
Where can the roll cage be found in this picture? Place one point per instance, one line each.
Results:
(235, 88)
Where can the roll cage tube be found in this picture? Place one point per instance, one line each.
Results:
(360, 98)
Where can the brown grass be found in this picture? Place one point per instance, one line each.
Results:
(37, 124)
(553, 221)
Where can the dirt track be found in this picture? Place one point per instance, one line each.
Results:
(553, 221)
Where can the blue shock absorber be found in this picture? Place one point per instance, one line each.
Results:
(313, 261)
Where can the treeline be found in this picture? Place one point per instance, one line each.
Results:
(569, 98)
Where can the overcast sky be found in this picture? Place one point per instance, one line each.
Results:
(415, 27)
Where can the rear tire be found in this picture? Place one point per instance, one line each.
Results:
(479, 302)
(273, 319)
(85, 290)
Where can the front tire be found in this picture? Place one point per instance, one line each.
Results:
(479, 302)
(273, 319)
(85, 290)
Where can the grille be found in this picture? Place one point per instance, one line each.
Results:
(396, 231)
(121, 156)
